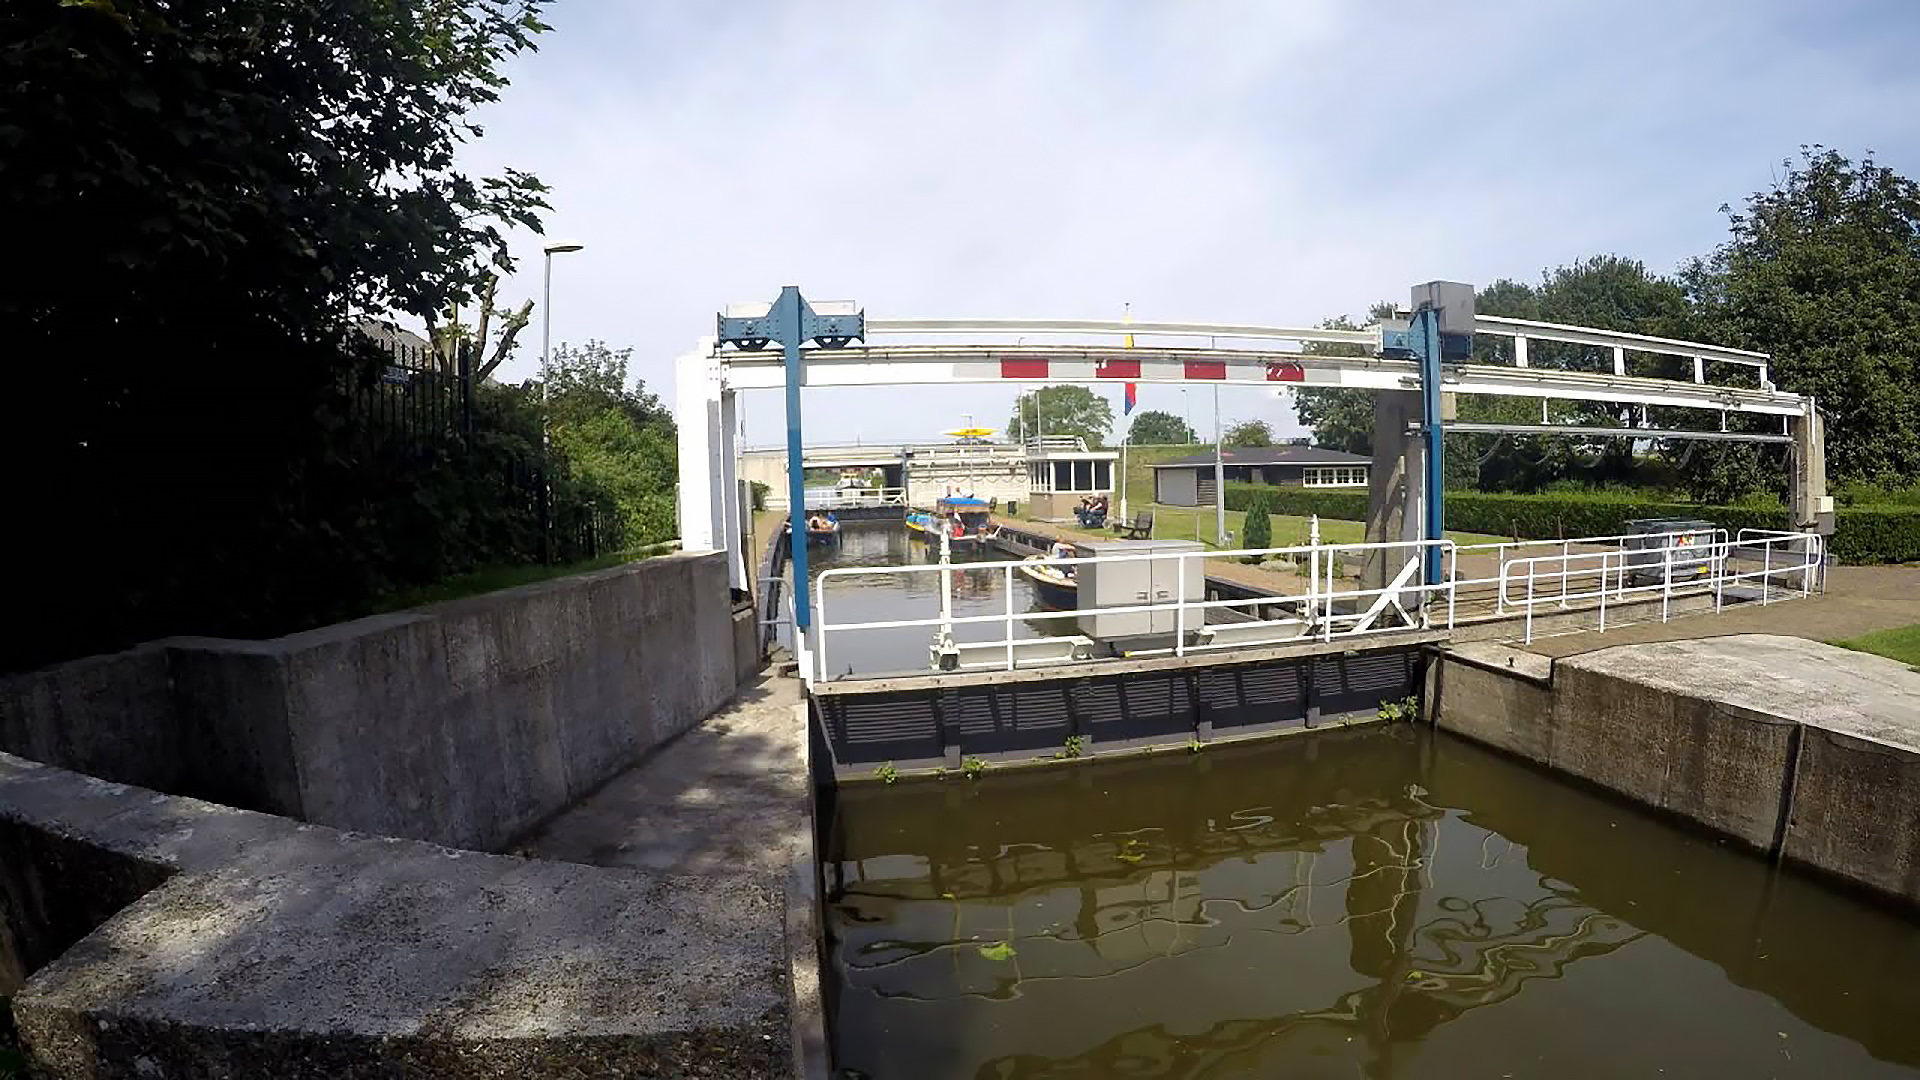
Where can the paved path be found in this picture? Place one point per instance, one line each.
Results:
(727, 796)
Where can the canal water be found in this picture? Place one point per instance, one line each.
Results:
(882, 597)
(1367, 902)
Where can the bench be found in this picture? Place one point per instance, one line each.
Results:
(1141, 529)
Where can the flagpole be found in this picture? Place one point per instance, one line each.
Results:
(1126, 435)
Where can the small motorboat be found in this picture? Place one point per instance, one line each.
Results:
(1056, 585)
(822, 530)
(969, 520)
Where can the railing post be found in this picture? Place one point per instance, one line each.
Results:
(1720, 577)
(1326, 601)
(1008, 585)
(1766, 570)
(1604, 556)
(1500, 601)
(1530, 569)
(1563, 573)
(1180, 604)
(819, 649)
(1666, 578)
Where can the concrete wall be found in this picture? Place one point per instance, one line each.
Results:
(463, 724)
(168, 937)
(1794, 748)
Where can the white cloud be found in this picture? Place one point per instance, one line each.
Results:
(1251, 161)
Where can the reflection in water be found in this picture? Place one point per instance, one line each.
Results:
(881, 597)
(1362, 903)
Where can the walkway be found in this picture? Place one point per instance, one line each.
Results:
(727, 796)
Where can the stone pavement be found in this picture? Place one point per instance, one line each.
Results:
(729, 796)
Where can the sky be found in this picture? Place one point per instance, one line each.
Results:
(1251, 161)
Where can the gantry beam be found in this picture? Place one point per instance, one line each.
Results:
(894, 365)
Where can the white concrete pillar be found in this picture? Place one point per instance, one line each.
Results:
(1395, 484)
(733, 525)
(696, 414)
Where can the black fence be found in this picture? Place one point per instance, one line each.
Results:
(414, 409)
(414, 395)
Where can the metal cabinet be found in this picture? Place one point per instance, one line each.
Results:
(1137, 582)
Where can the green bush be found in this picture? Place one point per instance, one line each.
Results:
(1256, 531)
(1864, 534)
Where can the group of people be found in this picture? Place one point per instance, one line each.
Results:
(1092, 510)
(820, 522)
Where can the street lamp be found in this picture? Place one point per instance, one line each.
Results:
(546, 318)
(560, 247)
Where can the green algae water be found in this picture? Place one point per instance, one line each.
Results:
(1370, 902)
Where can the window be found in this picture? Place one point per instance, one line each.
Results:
(1075, 475)
(1347, 476)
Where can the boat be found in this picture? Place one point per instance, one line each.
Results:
(971, 519)
(826, 532)
(1057, 589)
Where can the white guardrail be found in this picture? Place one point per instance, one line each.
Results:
(843, 498)
(1603, 576)
(1602, 570)
(1331, 611)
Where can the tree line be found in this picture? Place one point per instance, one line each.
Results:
(1822, 271)
(204, 212)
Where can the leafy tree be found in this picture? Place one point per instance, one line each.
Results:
(1156, 428)
(1339, 419)
(616, 436)
(1062, 410)
(1249, 433)
(1823, 272)
(213, 194)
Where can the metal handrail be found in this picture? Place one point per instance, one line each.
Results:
(1320, 619)
(1717, 557)
(1566, 545)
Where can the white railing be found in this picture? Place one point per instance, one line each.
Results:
(1326, 611)
(1566, 549)
(1615, 575)
(844, 498)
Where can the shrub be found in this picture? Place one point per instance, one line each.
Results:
(1257, 531)
(1864, 533)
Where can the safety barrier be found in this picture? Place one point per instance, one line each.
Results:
(1329, 611)
(1615, 575)
(845, 498)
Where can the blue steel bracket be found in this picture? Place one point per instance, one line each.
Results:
(755, 332)
(791, 322)
(832, 331)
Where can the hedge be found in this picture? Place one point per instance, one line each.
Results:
(1864, 534)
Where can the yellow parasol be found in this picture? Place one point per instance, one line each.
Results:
(970, 432)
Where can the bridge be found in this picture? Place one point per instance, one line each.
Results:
(1320, 638)
(1050, 470)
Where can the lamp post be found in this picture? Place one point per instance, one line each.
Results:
(546, 323)
(546, 354)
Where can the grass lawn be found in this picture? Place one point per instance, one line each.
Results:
(1901, 643)
(495, 578)
(1197, 523)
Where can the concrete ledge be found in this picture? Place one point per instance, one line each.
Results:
(463, 723)
(269, 948)
(1797, 749)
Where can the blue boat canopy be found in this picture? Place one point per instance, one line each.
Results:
(965, 504)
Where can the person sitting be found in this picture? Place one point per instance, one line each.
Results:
(1061, 550)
